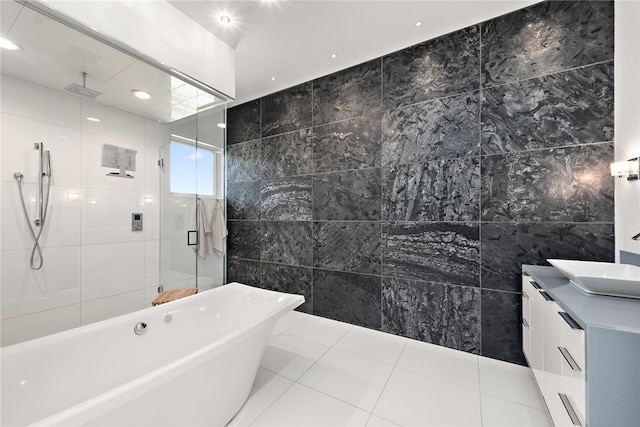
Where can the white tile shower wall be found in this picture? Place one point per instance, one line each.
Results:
(95, 266)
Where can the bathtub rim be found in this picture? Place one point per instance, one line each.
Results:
(134, 317)
(111, 399)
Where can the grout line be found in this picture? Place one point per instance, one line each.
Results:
(313, 170)
(593, 64)
(382, 168)
(480, 264)
(390, 375)
(390, 109)
(275, 400)
(395, 222)
(382, 276)
(535, 150)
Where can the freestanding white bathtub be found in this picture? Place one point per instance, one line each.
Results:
(194, 365)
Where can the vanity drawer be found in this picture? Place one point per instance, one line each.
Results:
(573, 339)
(532, 333)
(574, 386)
(567, 415)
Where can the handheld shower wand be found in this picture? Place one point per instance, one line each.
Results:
(43, 202)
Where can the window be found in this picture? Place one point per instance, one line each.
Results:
(193, 171)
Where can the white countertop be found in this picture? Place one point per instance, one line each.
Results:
(588, 310)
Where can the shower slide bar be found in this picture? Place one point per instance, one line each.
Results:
(43, 203)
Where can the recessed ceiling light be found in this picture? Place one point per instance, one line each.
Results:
(273, 78)
(334, 56)
(9, 45)
(141, 94)
(221, 125)
(419, 23)
(225, 19)
(93, 119)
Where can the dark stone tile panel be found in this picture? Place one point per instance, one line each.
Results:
(505, 247)
(502, 326)
(350, 195)
(243, 271)
(347, 246)
(436, 68)
(432, 312)
(289, 279)
(287, 110)
(287, 199)
(243, 240)
(572, 107)
(288, 154)
(444, 128)
(441, 190)
(570, 184)
(545, 38)
(243, 122)
(350, 144)
(244, 162)
(347, 297)
(243, 200)
(287, 242)
(433, 252)
(354, 92)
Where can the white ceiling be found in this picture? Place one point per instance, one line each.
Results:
(292, 40)
(53, 56)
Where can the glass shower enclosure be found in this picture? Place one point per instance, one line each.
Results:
(126, 175)
(192, 203)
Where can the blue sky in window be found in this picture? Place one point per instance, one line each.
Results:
(192, 171)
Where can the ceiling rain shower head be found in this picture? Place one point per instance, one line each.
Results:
(83, 90)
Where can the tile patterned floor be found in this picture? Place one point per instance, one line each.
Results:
(319, 372)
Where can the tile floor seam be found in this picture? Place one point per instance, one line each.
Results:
(518, 403)
(313, 364)
(388, 378)
(441, 380)
(480, 391)
(318, 342)
(387, 365)
(371, 415)
(272, 403)
(334, 398)
(286, 329)
(367, 357)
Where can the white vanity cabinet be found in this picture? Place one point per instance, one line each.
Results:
(583, 351)
(553, 343)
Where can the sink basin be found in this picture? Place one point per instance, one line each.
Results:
(602, 278)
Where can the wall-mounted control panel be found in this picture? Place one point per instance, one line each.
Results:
(136, 222)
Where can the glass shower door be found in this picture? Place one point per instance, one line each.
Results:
(178, 267)
(191, 200)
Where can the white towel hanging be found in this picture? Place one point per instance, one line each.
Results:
(205, 242)
(219, 230)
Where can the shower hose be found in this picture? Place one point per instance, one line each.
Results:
(36, 237)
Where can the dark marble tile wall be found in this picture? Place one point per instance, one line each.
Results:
(404, 194)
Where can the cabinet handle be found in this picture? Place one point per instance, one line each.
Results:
(546, 296)
(524, 295)
(569, 408)
(567, 318)
(570, 360)
(525, 274)
(535, 285)
(525, 323)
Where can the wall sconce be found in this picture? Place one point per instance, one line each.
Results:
(630, 169)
